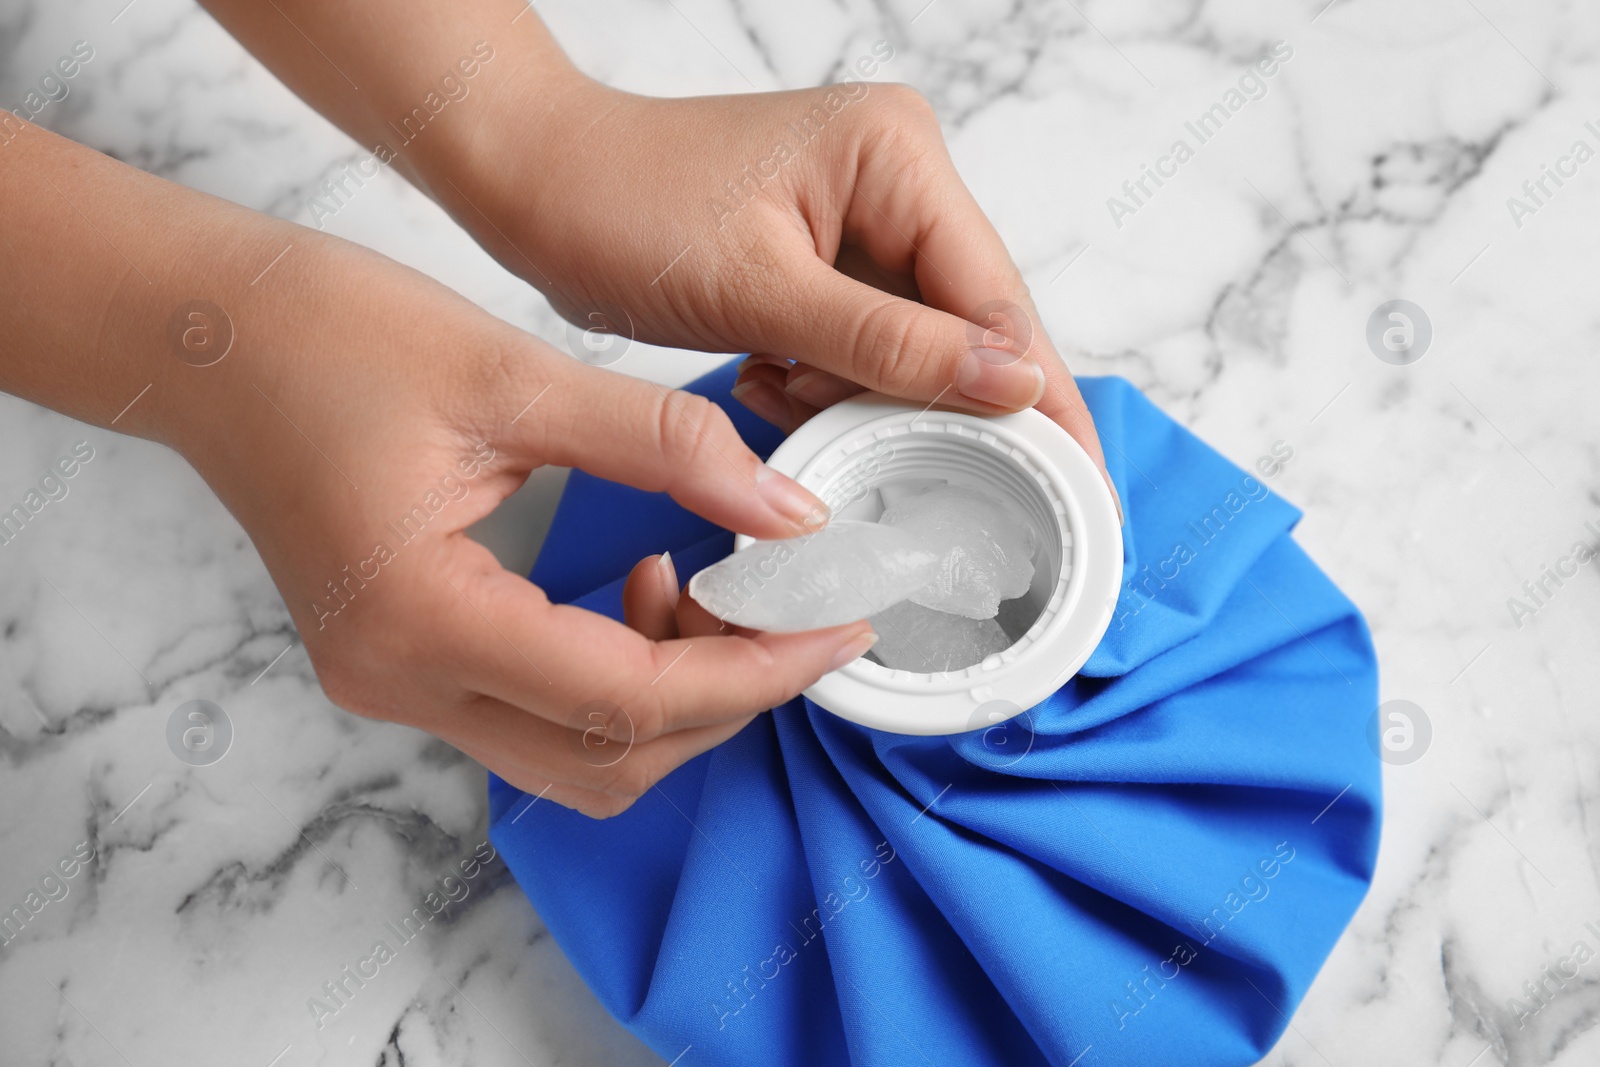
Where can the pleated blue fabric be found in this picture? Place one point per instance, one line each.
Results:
(1147, 868)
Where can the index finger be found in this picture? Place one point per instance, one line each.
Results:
(962, 267)
(552, 659)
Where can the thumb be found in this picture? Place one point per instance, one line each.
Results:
(903, 348)
(628, 430)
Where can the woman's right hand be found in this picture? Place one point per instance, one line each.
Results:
(372, 417)
(356, 417)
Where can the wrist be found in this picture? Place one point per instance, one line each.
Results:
(241, 334)
(338, 354)
(502, 173)
(132, 296)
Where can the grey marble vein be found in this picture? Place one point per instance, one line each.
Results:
(1382, 161)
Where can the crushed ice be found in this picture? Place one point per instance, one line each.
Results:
(932, 575)
(843, 572)
(914, 638)
(985, 549)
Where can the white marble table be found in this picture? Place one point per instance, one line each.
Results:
(1376, 164)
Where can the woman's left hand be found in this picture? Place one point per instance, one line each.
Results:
(825, 230)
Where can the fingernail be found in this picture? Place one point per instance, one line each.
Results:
(818, 388)
(853, 650)
(764, 400)
(1116, 498)
(790, 499)
(1000, 377)
(669, 575)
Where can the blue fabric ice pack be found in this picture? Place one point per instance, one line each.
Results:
(1151, 865)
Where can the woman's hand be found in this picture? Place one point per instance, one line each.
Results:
(366, 416)
(356, 417)
(358, 437)
(826, 227)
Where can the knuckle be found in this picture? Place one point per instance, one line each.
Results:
(502, 366)
(907, 101)
(687, 424)
(905, 116)
(630, 779)
(756, 256)
(603, 806)
(376, 670)
(646, 708)
(343, 682)
(640, 701)
(901, 122)
(347, 690)
(891, 343)
(775, 677)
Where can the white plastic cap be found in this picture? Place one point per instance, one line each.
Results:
(848, 453)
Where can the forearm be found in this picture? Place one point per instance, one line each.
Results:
(158, 311)
(100, 261)
(420, 85)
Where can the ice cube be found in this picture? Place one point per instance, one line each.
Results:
(985, 548)
(845, 571)
(914, 638)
